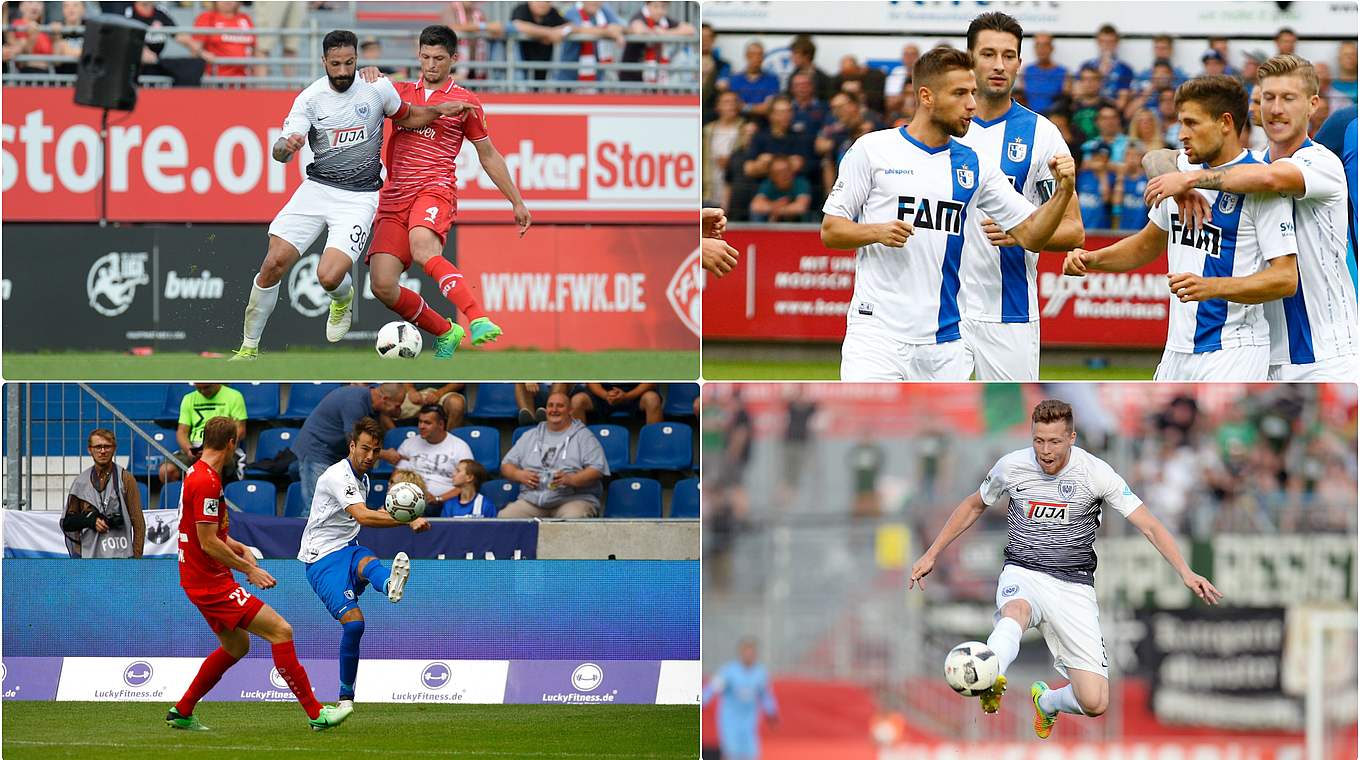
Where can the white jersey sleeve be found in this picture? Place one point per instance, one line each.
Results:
(1160, 214)
(330, 526)
(854, 179)
(299, 118)
(1323, 180)
(998, 199)
(1273, 216)
(994, 486)
(390, 99)
(1112, 489)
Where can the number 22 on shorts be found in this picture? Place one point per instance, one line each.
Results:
(240, 596)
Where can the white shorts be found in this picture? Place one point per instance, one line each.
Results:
(1242, 364)
(1064, 612)
(1337, 368)
(870, 354)
(345, 214)
(1002, 350)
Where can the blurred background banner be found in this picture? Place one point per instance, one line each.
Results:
(819, 497)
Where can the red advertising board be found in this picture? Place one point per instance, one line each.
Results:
(187, 155)
(587, 288)
(789, 287)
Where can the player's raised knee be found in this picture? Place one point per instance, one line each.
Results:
(386, 291)
(1094, 707)
(1017, 610)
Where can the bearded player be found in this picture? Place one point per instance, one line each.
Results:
(338, 568)
(418, 204)
(207, 555)
(1056, 492)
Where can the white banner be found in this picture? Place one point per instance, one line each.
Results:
(461, 681)
(126, 679)
(681, 682)
(38, 534)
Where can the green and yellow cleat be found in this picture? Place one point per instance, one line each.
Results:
(174, 720)
(991, 698)
(484, 331)
(446, 344)
(341, 316)
(245, 354)
(331, 716)
(1043, 722)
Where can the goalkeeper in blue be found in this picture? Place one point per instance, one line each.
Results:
(743, 686)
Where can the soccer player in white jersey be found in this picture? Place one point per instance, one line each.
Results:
(1313, 331)
(342, 120)
(903, 198)
(998, 300)
(1243, 256)
(1055, 492)
(338, 568)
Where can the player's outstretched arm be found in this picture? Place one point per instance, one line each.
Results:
(1036, 230)
(493, 163)
(415, 117)
(378, 518)
(1131, 252)
(214, 547)
(839, 233)
(1277, 177)
(1280, 279)
(1147, 523)
(965, 514)
(1158, 162)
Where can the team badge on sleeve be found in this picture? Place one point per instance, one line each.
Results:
(965, 177)
(210, 507)
(1016, 151)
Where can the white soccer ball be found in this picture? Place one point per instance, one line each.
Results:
(399, 340)
(971, 668)
(405, 502)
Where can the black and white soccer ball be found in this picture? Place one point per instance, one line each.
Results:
(399, 340)
(971, 668)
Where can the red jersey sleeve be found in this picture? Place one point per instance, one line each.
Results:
(203, 501)
(474, 121)
(205, 19)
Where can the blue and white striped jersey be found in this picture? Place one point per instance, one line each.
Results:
(999, 283)
(1052, 519)
(887, 175)
(1319, 321)
(1245, 232)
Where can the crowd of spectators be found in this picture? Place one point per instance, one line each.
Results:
(771, 145)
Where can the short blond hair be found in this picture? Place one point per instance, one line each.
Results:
(407, 476)
(1284, 65)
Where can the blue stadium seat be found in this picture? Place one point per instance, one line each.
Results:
(500, 492)
(54, 401)
(519, 433)
(292, 502)
(685, 498)
(392, 439)
(377, 493)
(145, 491)
(633, 497)
(485, 443)
(262, 400)
(254, 496)
(614, 440)
(170, 495)
(303, 398)
(139, 401)
(71, 438)
(680, 399)
(146, 460)
(494, 401)
(269, 445)
(664, 446)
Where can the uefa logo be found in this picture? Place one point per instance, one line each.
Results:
(276, 678)
(137, 674)
(435, 676)
(587, 677)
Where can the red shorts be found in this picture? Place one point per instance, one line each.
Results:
(225, 609)
(391, 229)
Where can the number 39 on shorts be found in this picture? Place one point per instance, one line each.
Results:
(358, 238)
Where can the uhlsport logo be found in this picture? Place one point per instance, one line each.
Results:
(304, 290)
(112, 281)
(137, 674)
(436, 676)
(276, 678)
(587, 677)
(1010, 590)
(683, 291)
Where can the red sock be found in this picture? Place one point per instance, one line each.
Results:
(285, 659)
(209, 673)
(412, 308)
(453, 286)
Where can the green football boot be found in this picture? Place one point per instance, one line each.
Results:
(174, 720)
(484, 331)
(331, 716)
(446, 344)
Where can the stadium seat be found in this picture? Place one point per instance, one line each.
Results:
(146, 460)
(68, 401)
(138, 401)
(519, 433)
(303, 398)
(485, 443)
(614, 440)
(494, 401)
(169, 412)
(254, 496)
(170, 495)
(71, 438)
(500, 492)
(633, 497)
(685, 498)
(145, 491)
(270, 444)
(664, 446)
(392, 439)
(292, 502)
(262, 400)
(680, 399)
(377, 493)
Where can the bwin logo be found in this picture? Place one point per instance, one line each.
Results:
(304, 289)
(138, 673)
(113, 279)
(435, 676)
(587, 677)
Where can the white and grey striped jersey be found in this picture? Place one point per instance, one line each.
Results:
(344, 130)
(1052, 520)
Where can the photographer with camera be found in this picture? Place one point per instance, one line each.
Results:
(104, 510)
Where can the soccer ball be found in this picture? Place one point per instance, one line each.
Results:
(971, 668)
(405, 502)
(399, 340)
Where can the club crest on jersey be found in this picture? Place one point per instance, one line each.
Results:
(210, 507)
(965, 177)
(348, 136)
(1016, 151)
(1065, 489)
(361, 109)
(1227, 202)
(1048, 512)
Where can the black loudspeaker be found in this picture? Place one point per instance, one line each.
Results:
(106, 76)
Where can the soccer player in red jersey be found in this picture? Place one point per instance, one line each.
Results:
(225, 15)
(207, 555)
(417, 205)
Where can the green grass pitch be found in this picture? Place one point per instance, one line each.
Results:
(264, 731)
(726, 369)
(358, 364)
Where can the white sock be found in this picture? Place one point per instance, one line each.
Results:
(343, 290)
(1005, 641)
(1055, 701)
(258, 308)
